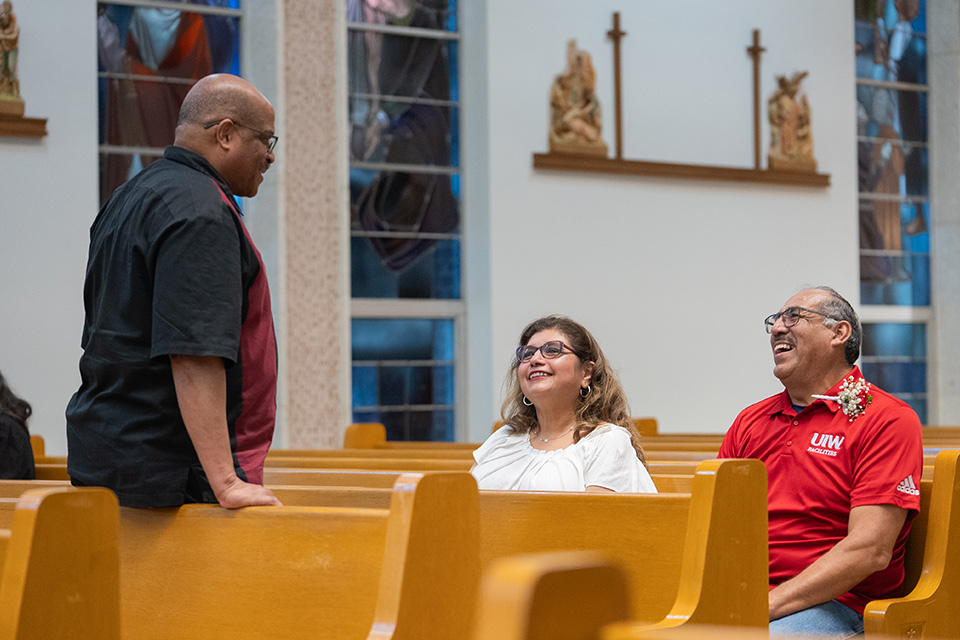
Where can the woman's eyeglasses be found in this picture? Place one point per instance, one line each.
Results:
(549, 350)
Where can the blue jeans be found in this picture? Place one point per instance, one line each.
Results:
(828, 620)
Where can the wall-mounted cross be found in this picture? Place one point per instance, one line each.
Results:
(755, 52)
(616, 34)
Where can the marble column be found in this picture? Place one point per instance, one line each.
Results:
(315, 225)
(943, 340)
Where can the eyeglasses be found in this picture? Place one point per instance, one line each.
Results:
(549, 350)
(790, 317)
(266, 138)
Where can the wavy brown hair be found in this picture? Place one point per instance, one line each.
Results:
(11, 405)
(605, 402)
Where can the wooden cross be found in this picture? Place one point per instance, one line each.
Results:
(755, 51)
(616, 34)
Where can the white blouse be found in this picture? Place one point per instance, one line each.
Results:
(605, 458)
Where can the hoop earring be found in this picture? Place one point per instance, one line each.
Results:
(526, 402)
(585, 392)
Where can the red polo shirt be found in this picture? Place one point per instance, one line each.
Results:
(820, 464)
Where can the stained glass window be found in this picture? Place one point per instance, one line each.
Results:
(893, 157)
(149, 57)
(894, 203)
(404, 119)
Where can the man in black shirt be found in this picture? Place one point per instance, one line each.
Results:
(178, 395)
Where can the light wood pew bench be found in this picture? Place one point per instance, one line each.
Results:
(700, 556)
(929, 610)
(519, 594)
(59, 565)
(374, 464)
(201, 571)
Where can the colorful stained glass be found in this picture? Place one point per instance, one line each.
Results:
(148, 59)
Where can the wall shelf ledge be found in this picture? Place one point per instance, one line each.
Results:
(592, 164)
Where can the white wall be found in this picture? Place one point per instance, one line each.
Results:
(673, 277)
(48, 199)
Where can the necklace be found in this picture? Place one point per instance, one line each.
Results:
(554, 437)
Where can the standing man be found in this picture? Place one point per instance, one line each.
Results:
(179, 371)
(843, 462)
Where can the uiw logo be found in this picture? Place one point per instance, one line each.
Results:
(826, 441)
(825, 444)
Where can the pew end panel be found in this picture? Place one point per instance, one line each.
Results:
(725, 557)
(930, 610)
(38, 445)
(725, 570)
(431, 568)
(550, 596)
(365, 435)
(61, 575)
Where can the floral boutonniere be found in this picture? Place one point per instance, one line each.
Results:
(854, 397)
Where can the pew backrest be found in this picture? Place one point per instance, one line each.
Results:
(292, 572)
(60, 572)
(700, 557)
(518, 595)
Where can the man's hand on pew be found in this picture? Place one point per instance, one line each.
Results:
(238, 494)
(201, 386)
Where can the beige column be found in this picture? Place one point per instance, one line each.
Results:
(315, 250)
(943, 341)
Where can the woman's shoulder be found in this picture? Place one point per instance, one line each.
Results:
(503, 438)
(607, 430)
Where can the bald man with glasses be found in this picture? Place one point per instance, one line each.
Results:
(843, 461)
(179, 368)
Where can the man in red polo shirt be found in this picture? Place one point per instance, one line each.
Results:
(843, 461)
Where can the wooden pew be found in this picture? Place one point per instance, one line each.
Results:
(329, 477)
(698, 557)
(930, 609)
(297, 572)
(52, 471)
(378, 464)
(38, 445)
(59, 573)
(701, 559)
(517, 595)
(932, 577)
(277, 457)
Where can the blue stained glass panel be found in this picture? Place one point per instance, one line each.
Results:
(894, 358)
(404, 376)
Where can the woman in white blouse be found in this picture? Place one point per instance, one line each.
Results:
(567, 426)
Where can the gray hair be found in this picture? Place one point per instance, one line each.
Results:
(838, 309)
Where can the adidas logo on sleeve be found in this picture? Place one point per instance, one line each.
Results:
(907, 486)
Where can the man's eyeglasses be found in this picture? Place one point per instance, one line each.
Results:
(268, 139)
(790, 317)
(549, 350)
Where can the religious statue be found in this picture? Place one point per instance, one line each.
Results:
(575, 123)
(791, 139)
(10, 101)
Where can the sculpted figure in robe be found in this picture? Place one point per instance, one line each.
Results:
(791, 139)
(9, 35)
(575, 118)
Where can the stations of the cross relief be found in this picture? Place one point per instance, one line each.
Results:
(576, 143)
